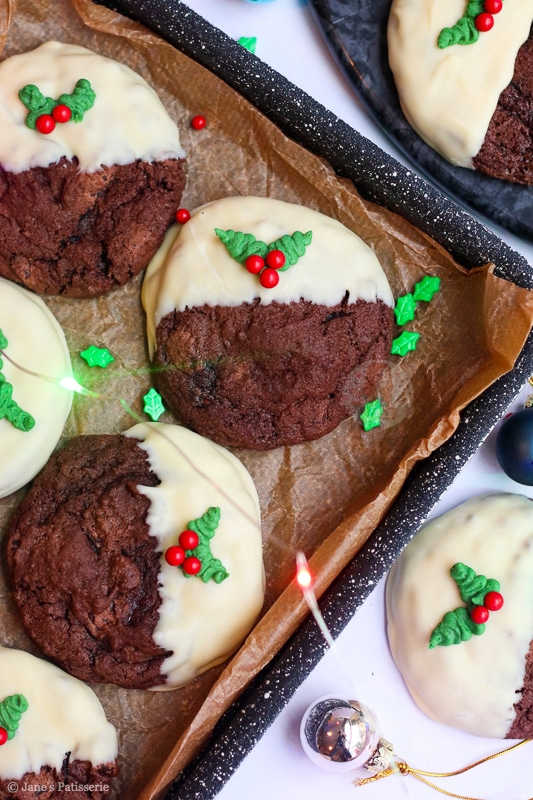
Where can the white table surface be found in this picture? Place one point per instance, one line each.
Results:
(289, 40)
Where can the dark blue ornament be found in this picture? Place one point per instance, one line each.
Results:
(514, 447)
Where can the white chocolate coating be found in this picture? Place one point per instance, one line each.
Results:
(471, 685)
(193, 267)
(126, 123)
(64, 715)
(202, 623)
(36, 342)
(449, 96)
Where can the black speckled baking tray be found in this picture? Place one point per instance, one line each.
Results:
(382, 179)
(357, 33)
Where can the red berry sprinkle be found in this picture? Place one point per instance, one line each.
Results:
(479, 615)
(484, 22)
(198, 122)
(276, 259)
(192, 565)
(182, 216)
(45, 123)
(175, 556)
(3, 736)
(254, 264)
(189, 540)
(493, 6)
(493, 601)
(269, 278)
(62, 113)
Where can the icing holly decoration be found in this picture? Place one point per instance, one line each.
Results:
(427, 288)
(97, 356)
(249, 43)
(153, 404)
(194, 554)
(278, 255)
(293, 247)
(456, 627)
(78, 103)
(9, 408)
(472, 587)
(481, 596)
(405, 308)
(404, 343)
(477, 17)
(11, 710)
(371, 416)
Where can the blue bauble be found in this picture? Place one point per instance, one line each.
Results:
(514, 447)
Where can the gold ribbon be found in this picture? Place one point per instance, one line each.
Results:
(405, 769)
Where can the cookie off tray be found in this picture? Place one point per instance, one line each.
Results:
(381, 179)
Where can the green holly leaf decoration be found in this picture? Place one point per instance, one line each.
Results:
(206, 526)
(464, 31)
(404, 343)
(427, 288)
(11, 710)
(9, 408)
(97, 356)
(472, 587)
(80, 101)
(293, 247)
(241, 245)
(153, 404)
(36, 103)
(405, 308)
(456, 627)
(249, 43)
(371, 416)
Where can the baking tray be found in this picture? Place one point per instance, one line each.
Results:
(356, 31)
(382, 179)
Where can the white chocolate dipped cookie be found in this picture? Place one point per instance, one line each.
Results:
(156, 540)
(463, 90)
(254, 355)
(86, 143)
(467, 659)
(33, 411)
(53, 731)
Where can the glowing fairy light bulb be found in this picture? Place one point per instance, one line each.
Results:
(71, 384)
(304, 578)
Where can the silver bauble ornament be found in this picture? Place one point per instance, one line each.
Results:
(342, 736)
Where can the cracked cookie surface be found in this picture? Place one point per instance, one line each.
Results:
(507, 151)
(261, 376)
(83, 566)
(81, 234)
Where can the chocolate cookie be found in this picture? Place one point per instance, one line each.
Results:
(477, 557)
(32, 411)
(85, 553)
(82, 234)
(251, 364)
(91, 173)
(261, 376)
(507, 151)
(55, 741)
(467, 89)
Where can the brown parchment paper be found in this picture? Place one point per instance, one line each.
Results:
(325, 497)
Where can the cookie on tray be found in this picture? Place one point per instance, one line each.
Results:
(91, 171)
(136, 559)
(460, 617)
(254, 355)
(55, 741)
(33, 410)
(464, 74)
